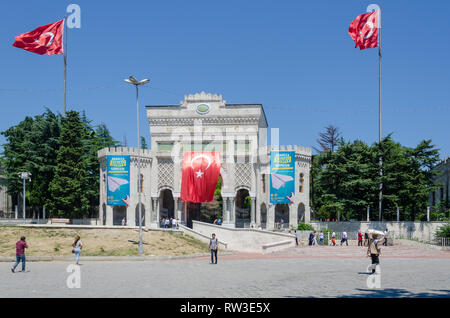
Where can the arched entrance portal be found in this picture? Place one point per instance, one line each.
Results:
(243, 207)
(167, 204)
(263, 212)
(206, 211)
(301, 213)
(282, 215)
(119, 214)
(142, 214)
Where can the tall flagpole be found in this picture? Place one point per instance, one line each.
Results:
(65, 65)
(380, 127)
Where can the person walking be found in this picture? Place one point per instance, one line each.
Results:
(314, 242)
(366, 239)
(311, 235)
(344, 238)
(174, 223)
(296, 237)
(386, 232)
(21, 245)
(321, 238)
(167, 222)
(333, 239)
(374, 250)
(213, 246)
(360, 243)
(77, 246)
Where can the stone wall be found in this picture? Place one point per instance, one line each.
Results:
(424, 231)
(244, 240)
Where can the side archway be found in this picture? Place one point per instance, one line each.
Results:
(301, 213)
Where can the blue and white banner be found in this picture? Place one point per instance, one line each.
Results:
(118, 180)
(282, 176)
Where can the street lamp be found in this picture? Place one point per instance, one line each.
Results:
(24, 176)
(137, 83)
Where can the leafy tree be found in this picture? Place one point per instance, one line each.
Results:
(143, 143)
(68, 187)
(329, 139)
(346, 181)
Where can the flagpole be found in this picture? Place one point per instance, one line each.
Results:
(380, 127)
(65, 65)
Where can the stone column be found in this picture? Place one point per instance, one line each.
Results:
(233, 212)
(109, 215)
(270, 222)
(131, 214)
(252, 213)
(175, 207)
(293, 215)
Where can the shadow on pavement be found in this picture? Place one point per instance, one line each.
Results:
(396, 293)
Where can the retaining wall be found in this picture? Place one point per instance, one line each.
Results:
(424, 231)
(246, 240)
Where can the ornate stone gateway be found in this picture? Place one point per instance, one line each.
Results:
(205, 122)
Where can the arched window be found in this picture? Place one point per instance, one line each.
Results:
(263, 182)
(300, 187)
(140, 186)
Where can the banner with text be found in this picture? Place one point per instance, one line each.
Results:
(282, 176)
(118, 180)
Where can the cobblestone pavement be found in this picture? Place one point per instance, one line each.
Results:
(297, 272)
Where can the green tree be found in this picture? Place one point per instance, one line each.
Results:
(68, 187)
(143, 143)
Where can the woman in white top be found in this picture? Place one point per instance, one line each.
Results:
(77, 246)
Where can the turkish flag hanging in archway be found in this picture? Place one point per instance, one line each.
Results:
(364, 30)
(46, 39)
(200, 174)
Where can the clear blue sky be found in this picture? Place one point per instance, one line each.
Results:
(294, 57)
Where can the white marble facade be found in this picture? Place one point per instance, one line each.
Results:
(204, 122)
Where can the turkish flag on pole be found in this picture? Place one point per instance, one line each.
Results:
(364, 30)
(46, 39)
(201, 171)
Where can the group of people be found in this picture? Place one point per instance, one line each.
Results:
(313, 238)
(344, 238)
(21, 245)
(168, 223)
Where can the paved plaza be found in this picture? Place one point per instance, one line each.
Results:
(297, 272)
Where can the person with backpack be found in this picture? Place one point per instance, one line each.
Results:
(374, 250)
(213, 246)
(77, 246)
(21, 245)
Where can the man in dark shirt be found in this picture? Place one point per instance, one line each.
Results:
(20, 254)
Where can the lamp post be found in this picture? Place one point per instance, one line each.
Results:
(24, 176)
(137, 83)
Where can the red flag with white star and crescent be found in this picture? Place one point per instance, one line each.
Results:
(364, 30)
(200, 174)
(46, 39)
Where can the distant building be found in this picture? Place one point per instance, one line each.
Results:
(5, 198)
(443, 179)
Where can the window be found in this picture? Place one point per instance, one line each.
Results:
(165, 146)
(140, 186)
(215, 146)
(241, 146)
(300, 188)
(263, 182)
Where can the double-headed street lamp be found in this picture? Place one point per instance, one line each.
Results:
(24, 176)
(137, 83)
